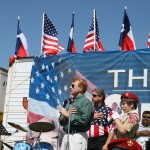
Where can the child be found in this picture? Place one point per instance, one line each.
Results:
(127, 126)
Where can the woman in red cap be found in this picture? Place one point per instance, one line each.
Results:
(127, 126)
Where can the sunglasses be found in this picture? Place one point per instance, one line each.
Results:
(94, 95)
(72, 85)
(148, 117)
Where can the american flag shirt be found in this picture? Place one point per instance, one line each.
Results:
(100, 127)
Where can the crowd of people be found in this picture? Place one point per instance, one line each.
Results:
(92, 125)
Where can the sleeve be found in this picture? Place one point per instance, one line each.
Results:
(112, 125)
(61, 120)
(85, 115)
(131, 121)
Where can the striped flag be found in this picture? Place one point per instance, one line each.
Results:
(148, 43)
(71, 46)
(92, 42)
(50, 38)
(126, 41)
(21, 45)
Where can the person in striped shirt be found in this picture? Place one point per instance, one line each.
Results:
(98, 133)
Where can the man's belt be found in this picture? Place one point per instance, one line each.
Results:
(96, 138)
(75, 131)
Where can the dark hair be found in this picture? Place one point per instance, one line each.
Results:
(99, 92)
(129, 101)
(146, 112)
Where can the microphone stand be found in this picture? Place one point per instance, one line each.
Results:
(9, 146)
(67, 148)
(58, 138)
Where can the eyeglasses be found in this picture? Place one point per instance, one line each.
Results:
(148, 117)
(72, 85)
(94, 95)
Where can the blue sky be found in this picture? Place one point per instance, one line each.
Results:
(109, 15)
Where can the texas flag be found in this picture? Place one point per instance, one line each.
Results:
(71, 45)
(21, 45)
(126, 41)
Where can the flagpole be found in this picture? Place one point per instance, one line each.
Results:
(94, 28)
(125, 7)
(18, 22)
(42, 34)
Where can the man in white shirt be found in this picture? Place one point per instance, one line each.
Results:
(143, 133)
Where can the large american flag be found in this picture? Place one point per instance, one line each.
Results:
(92, 39)
(49, 85)
(50, 81)
(50, 38)
(126, 41)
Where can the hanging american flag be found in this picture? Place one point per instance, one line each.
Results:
(148, 43)
(71, 46)
(49, 84)
(126, 41)
(92, 41)
(21, 45)
(50, 38)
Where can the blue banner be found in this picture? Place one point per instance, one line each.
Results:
(114, 71)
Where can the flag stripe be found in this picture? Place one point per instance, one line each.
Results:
(50, 38)
(148, 43)
(89, 41)
(21, 43)
(126, 41)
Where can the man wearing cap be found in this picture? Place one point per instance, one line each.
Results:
(127, 126)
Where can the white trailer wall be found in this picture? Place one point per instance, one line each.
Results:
(17, 88)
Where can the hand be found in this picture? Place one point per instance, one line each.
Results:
(64, 112)
(73, 110)
(98, 115)
(115, 115)
(104, 147)
(145, 133)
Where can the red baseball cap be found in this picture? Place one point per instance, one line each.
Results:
(130, 95)
(124, 144)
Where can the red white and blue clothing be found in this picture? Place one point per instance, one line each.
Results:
(100, 127)
(98, 133)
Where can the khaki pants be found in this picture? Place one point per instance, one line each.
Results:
(77, 141)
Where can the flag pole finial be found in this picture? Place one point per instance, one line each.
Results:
(18, 17)
(125, 7)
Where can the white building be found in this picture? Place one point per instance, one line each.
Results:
(3, 84)
(17, 89)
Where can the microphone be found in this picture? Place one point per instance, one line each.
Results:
(118, 110)
(66, 101)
